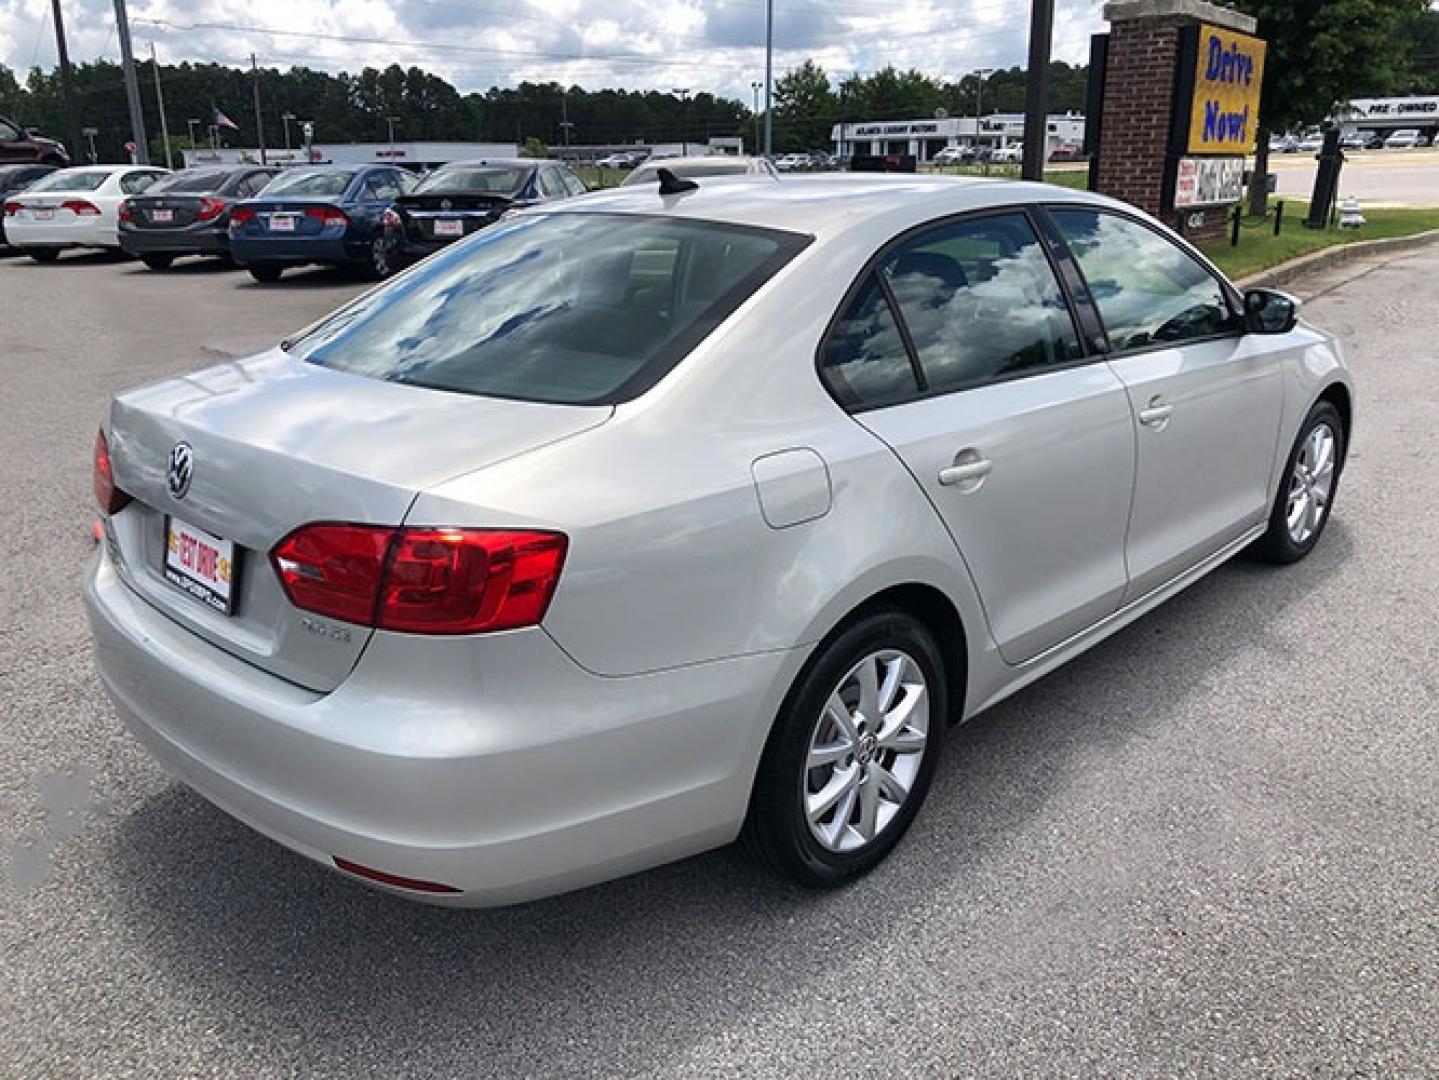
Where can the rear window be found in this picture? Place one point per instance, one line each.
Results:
(208, 180)
(76, 180)
(310, 182)
(497, 179)
(562, 308)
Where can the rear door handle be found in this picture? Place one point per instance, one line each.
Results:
(966, 474)
(1157, 414)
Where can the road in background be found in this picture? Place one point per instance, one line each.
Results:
(1379, 177)
(1206, 847)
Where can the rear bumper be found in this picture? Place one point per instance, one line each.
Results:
(494, 765)
(407, 250)
(295, 250)
(207, 239)
(26, 234)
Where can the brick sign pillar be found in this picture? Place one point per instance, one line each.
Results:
(1173, 109)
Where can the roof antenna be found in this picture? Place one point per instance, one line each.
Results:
(670, 184)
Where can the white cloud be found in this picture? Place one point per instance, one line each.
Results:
(714, 45)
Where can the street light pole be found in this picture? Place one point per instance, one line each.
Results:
(287, 117)
(160, 101)
(392, 121)
(683, 92)
(768, 78)
(191, 125)
(754, 88)
(132, 86)
(62, 53)
(1036, 92)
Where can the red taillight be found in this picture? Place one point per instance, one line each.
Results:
(422, 581)
(210, 209)
(80, 208)
(240, 215)
(110, 498)
(392, 219)
(327, 215)
(13, 208)
(126, 211)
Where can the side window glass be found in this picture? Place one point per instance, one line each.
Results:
(135, 183)
(381, 187)
(981, 302)
(573, 184)
(864, 362)
(8, 132)
(549, 185)
(1148, 290)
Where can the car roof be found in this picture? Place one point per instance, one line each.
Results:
(824, 205)
(499, 162)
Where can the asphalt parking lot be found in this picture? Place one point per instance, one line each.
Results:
(1208, 847)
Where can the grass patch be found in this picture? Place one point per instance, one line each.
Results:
(1259, 248)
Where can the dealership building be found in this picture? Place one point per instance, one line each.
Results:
(1386, 115)
(925, 138)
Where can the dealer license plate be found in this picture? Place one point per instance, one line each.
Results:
(44, 214)
(449, 228)
(201, 564)
(162, 217)
(282, 223)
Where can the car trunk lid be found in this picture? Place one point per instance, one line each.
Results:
(277, 443)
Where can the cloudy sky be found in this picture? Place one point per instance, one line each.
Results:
(705, 44)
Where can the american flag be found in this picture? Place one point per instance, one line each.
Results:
(223, 121)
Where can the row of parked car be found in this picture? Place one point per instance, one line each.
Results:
(375, 218)
(1402, 139)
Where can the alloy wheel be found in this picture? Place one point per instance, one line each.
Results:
(866, 750)
(1311, 484)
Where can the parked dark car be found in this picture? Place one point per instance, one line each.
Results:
(323, 214)
(20, 144)
(187, 213)
(458, 199)
(15, 178)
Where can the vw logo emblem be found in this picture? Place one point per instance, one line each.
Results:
(445, 204)
(181, 471)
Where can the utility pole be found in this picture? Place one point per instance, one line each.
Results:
(259, 127)
(391, 121)
(1036, 91)
(160, 100)
(565, 124)
(754, 88)
(72, 133)
(132, 86)
(980, 75)
(190, 123)
(768, 78)
(287, 117)
(683, 93)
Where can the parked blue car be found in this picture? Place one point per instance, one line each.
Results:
(323, 214)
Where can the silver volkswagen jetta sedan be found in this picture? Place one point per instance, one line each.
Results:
(641, 523)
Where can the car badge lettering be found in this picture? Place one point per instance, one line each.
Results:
(445, 204)
(181, 471)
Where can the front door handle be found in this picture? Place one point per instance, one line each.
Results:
(1157, 414)
(967, 473)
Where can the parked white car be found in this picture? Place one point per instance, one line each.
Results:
(953, 155)
(792, 162)
(617, 161)
(1404, 139)
(75, 207)
(1012, 154)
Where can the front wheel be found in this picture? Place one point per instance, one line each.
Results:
(1306, 492)
(157, 262)
(266, 274)
(851, 754)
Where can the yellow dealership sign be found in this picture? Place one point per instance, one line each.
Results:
(1228, 75)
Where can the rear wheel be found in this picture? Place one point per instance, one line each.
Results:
(157, 262)
(378, 263)
(1306, 493)
(852, 753)
(43, 255)
(267, 274)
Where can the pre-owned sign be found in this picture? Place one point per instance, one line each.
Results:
(1228, 75)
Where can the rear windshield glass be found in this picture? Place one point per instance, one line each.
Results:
(310, 182)
(78, 180)
(208, 180)
(564, 308)
(492, 178)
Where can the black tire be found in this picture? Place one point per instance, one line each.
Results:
(157, 262)
(776, 829)
(43, 255)
(1279, 545)
(380, 262)
(266, 273)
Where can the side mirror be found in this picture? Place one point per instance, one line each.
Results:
(1267, 311)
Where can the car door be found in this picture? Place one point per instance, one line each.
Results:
(379, 189)
(959, 350)
(1206, 398)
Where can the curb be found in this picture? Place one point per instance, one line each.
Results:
(1278, 276)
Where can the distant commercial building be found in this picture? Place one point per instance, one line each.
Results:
(1386, 115)
(589, 153)
(925, 138)
(415, 155)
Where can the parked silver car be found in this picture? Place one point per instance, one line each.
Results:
(613, 533)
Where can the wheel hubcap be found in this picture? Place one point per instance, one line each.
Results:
(1311, 484)
(381, 257)
(866, 750)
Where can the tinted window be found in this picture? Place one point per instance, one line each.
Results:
(382, 186)
(311, 182)
(981, 302)
(500, 179)
(135, 183)
(561, 308)
(205, 180)
(864, 362)
(1148, 289)
(73, 180)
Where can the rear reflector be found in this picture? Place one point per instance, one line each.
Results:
(110, 498)
(420, 580)
(414, 884)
